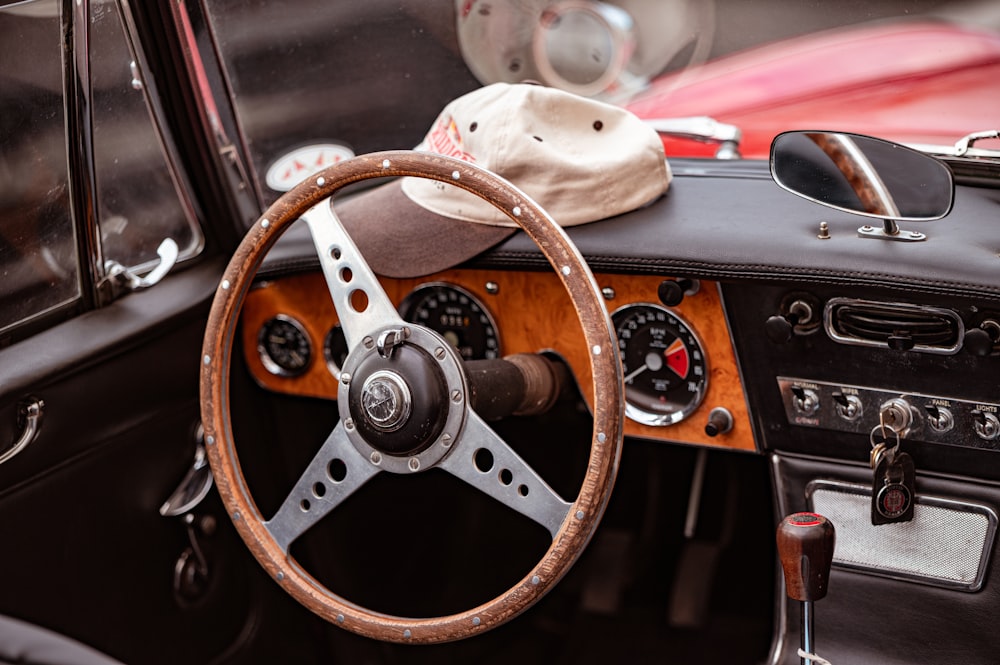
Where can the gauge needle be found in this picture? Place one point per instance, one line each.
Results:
(636, 373)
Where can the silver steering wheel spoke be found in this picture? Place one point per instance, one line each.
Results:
(335, 473)
(348, 277)
(485, 461)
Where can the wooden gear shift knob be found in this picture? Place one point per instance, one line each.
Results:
(805, 548)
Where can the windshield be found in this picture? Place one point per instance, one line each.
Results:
(717, 79)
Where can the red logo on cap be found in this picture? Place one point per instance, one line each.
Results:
(445, 139)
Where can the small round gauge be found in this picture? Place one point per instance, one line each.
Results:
(456, 315)
(666, 371)
(284, 346)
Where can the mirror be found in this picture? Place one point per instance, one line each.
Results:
(862, 175)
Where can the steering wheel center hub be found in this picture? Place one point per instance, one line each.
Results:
(401, 408)
(386, 401)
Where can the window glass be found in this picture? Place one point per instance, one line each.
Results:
(341, 77)
(139, 203)
(373, 75)
(39, 269)
(139, 199)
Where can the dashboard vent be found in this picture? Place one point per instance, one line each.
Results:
(893, 325)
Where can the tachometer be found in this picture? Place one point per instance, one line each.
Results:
(284, 346)
(456, 315)
(666, 371)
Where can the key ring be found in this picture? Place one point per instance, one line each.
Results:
(879, 448)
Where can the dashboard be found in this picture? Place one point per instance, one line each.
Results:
(734, 276)
(729, 293)
(681, 379)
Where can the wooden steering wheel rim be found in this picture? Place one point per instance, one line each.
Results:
(606, 442)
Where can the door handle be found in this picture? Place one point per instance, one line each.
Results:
(31, 412)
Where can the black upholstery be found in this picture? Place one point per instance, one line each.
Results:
(22, 643)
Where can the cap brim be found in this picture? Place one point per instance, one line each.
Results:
(399, 238)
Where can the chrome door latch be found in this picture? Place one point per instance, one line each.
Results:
(30, 420)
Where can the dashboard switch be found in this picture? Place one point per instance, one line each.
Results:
(987, 425)
(848, 406)
(806, 401)
(981, 341)
(780, 327)
(720, 421)
(671, 292)
(939, 418)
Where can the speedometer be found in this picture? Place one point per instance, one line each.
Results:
(666, 371)
(456, 315)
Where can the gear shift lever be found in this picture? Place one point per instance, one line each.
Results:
(805, 548)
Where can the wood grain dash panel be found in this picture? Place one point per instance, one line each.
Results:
(533, 314)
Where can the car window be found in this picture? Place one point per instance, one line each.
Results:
(139, 202)
(353, 78)
(137, 197)
(373, 75)
(38, 257)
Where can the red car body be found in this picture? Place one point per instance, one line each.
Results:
(917, 83)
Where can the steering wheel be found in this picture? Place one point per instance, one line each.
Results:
(404, 402)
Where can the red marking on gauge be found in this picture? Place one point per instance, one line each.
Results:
(677, 358)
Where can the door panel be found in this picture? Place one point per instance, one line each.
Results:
(86, 552)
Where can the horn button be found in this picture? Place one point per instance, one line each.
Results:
(399, 404)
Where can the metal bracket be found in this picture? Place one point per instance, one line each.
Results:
(890, 231)
(962, 145)
(704, 129)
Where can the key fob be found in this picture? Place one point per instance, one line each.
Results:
(893, 489)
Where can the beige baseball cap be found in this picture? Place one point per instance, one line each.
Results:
(579, 159)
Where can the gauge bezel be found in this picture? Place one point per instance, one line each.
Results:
(641, 415)
(268, 361)
(414, 296)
